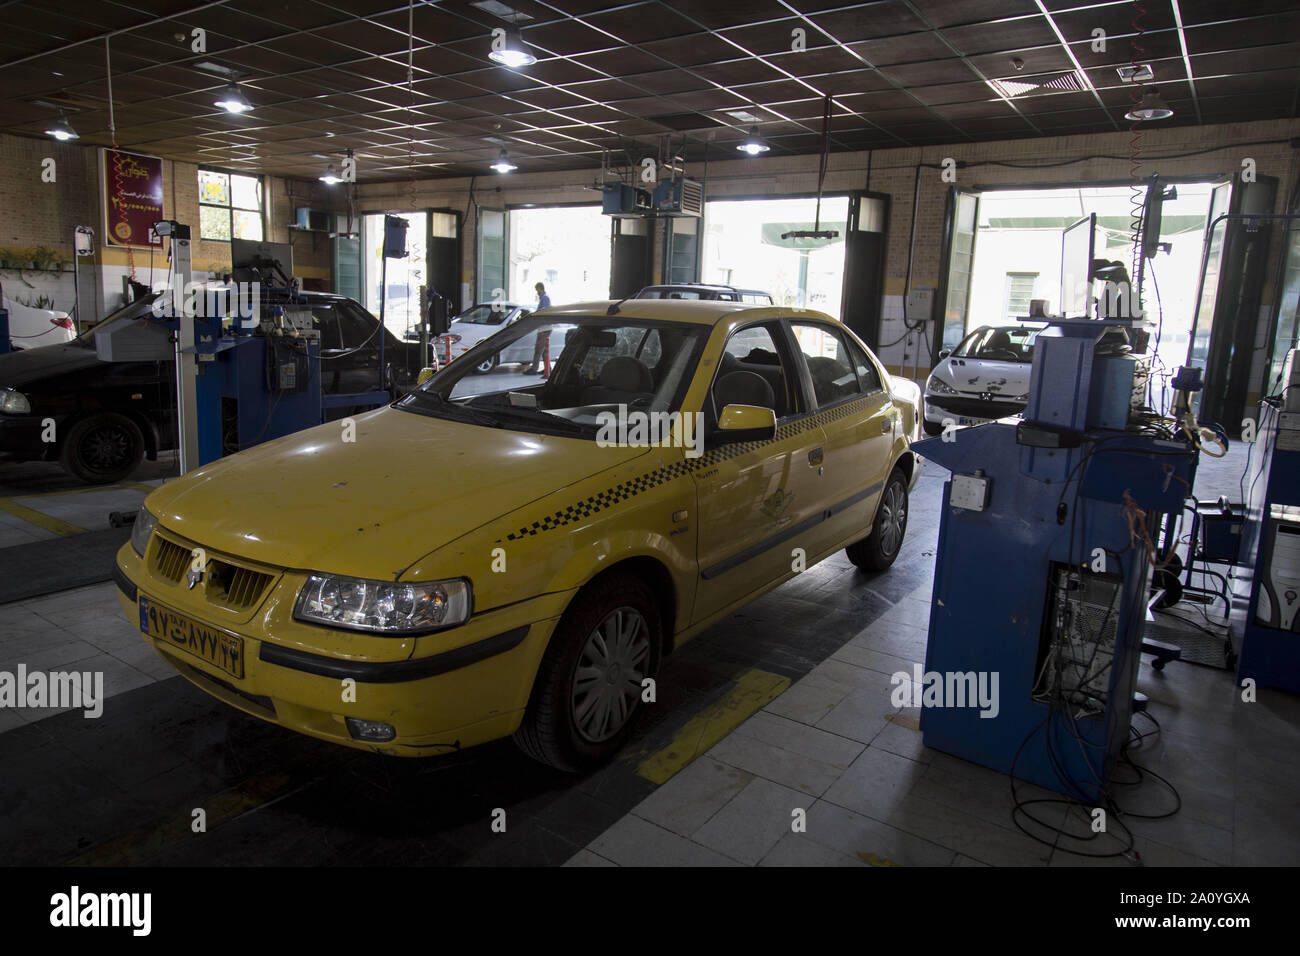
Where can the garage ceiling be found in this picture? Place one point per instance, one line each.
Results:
(324, 77)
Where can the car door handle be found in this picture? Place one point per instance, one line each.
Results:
(815, 456)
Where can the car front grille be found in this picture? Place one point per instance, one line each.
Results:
(170, 560)
(975, 407)
(225, 583)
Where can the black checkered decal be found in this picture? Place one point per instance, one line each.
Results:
(651, 479)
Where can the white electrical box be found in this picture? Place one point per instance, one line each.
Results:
(920, 303)
(969, 492)
(1279, 595)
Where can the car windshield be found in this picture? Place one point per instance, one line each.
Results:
(584, 365)
(493, 314)
(1014, 343)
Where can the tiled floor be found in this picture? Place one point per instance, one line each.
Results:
(831, 773)
(833, 751)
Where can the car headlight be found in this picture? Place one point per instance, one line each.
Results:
(385, 607)
(939, 386)
(142, 530)
(15, 403)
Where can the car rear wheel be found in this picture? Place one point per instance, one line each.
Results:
(103, 448)
(588, 689)
(878, 550)
(487, 365)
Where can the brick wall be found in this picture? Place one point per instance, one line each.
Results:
(37, 213)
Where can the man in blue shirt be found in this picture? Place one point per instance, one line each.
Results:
(543, 335)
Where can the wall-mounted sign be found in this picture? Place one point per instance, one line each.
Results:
(133, 197)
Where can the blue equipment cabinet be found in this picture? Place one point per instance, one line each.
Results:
(1266, 639)
(1042, 571)
(253, 388)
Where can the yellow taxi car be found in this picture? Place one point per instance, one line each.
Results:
(511, 553)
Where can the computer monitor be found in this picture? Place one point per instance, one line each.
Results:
(252, 261)
(1078, 248)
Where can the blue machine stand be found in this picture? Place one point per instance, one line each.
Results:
(1266, 638)
(245, 398)
(1042, 571)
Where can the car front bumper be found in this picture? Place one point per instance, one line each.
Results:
(20, 438)
(958, 407)
(469, 691)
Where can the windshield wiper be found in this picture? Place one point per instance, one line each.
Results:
(443, 408)
(539, 417)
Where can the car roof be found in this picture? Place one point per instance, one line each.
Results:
(697, 311)
(691, 285)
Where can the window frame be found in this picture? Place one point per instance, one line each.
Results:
(807, 374)
(231, 208)
(782, 338)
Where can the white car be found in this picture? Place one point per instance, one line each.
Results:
(31, 328)
(986, 377)
(476, 323)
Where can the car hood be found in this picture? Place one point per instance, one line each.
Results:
(977, 376)
(473, 330)
(18, 369)
(407, 485)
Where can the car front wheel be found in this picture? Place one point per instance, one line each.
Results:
(103, 448)
(878, 550)
(933, 429)
(588, 689)
(487, 365)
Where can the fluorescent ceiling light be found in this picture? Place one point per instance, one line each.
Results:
(232, 99)
(1013, 86)
(62, 130)
(503, 164)
(331, 177)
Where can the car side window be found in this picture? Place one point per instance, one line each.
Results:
(868, 374)
(752, 372)
(829, 362)
(328, 323)
(357, 328)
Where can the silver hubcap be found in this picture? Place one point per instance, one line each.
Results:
(611, 666)
(893, 518)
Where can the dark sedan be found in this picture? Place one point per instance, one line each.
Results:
(99, 419)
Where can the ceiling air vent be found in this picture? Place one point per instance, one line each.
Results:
(1012, 86)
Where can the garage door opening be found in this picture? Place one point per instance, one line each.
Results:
(404, 276)
(1015, 256)
(743, 248)
(564, 247)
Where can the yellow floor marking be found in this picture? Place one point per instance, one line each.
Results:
(32, 516)
(752, 691)
(144, 844)
(874, 860)
(133, 485)
(910, 721)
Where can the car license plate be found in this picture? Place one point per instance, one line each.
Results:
(218, 648)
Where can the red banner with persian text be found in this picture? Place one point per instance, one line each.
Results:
(133, 196)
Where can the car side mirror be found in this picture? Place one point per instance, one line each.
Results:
(944, 354)
(746, 423)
